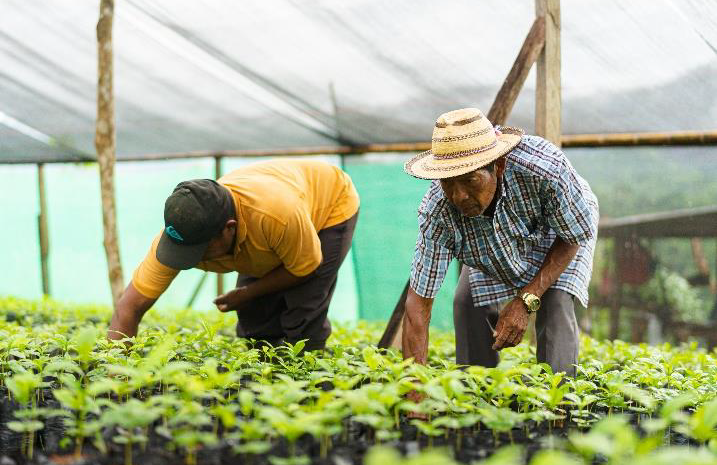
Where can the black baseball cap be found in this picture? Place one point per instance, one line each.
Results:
(195, 213)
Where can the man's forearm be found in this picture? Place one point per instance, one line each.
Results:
(558, 258)
(276, 280)
(130, 309)
(414, 339)
(123, 324)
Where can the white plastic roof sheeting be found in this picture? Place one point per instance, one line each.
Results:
(213, 74)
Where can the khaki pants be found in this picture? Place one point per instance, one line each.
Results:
(300, 312)
(555, 325)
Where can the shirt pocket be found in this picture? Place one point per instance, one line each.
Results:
(522, 232)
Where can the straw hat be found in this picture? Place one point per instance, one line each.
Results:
(463, 141)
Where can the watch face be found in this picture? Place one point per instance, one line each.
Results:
(534, 305)
(532, 302)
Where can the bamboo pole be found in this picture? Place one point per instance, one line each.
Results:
(645, 139)
(217, 175)
(547, 92)
(671, 138)
(42, 230)
(105, 145)
(509, 91)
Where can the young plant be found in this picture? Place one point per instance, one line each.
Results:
(23, 386)
(81, 402)
(132, 419)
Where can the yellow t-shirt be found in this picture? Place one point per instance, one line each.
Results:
(281, 205)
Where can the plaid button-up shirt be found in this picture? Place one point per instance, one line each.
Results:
(541, 197)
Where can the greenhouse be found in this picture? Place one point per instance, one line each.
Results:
(106, 106)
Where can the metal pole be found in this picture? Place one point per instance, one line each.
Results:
(217, 175)
(42, 230)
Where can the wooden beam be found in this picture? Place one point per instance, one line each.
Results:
(688, 223)
(105, 146)
(647, 139)
(509, 91)
(671, 138)
(42, 230)
(547, 92)
(217, 175)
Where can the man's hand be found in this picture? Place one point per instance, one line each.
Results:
(512, 323)
(233, 300)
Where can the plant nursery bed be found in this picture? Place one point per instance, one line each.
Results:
(187, 391)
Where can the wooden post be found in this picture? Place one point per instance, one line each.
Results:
(105, 145)
(217, 175)
(198, 288)
(547, 91)
(42, 229)
(509, 91)
(703, 268)
(616, 301)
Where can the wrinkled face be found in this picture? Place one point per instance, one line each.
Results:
(472, 193)
(223, 243)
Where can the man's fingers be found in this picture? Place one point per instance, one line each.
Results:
(498, 327)
(509, 340)
(501, 338)
(417, 415)
(514, 339)
(518, 337)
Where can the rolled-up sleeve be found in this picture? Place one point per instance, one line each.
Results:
(431, 257)
(566, 206)
(151, 278)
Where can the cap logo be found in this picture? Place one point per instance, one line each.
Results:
(171, 232)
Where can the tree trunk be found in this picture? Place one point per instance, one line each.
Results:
(105, 145)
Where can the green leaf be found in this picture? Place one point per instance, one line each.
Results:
(25, 426)
(84, 343)
(554, 457)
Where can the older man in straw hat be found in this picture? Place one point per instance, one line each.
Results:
(523, 223)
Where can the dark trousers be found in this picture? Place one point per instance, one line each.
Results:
(300, 312)
(555, 325)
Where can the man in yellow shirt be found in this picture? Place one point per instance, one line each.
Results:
(285, 226)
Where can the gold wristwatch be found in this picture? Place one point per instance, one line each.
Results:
(532, 302)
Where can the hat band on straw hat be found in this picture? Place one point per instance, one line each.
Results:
(481, 132)
(463, 153)
(452, 167)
